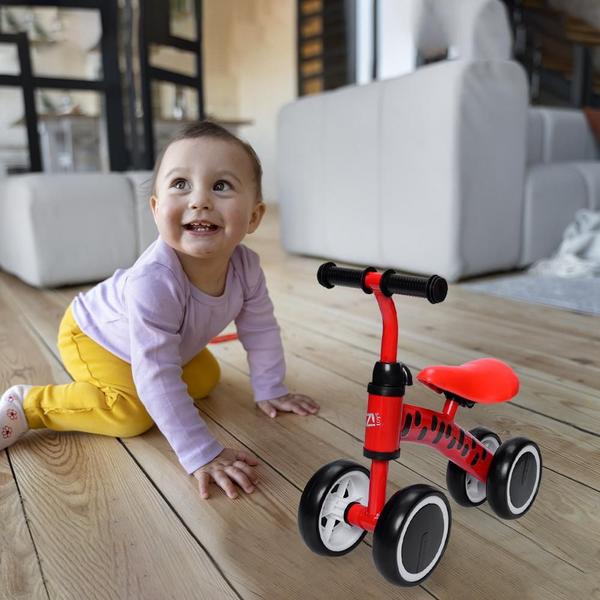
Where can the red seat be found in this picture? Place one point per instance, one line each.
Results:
(485, 380)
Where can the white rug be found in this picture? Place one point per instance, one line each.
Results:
(578, 295)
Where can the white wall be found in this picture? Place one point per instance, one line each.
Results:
(250, 69)
(364, 41)
(397, 29)
(264, 52)
(220, 83)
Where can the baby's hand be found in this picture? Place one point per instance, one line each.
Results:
(297, 403)
(228, 467)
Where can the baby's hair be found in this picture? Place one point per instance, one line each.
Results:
(209, 129)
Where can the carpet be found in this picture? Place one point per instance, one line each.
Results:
(578, 295)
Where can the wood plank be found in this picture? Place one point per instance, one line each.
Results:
(568, 359)
(93, 515)
(20, 573)
(101, 529)
(546, 318)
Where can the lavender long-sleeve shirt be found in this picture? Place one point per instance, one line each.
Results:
(153, 317)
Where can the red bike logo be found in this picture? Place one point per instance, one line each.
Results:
(373, 419)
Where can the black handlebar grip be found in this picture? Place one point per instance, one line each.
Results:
(330, 275)
(434, 288)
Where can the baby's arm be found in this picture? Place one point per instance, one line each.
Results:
(260, 335)
(155, 312)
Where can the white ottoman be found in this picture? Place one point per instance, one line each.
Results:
(67, 229)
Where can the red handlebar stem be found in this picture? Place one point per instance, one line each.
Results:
(389, 339)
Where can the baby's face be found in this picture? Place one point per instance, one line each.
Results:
(205, 197)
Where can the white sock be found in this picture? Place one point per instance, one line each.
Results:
(13, 423)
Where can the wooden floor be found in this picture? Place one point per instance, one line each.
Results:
(87, 517)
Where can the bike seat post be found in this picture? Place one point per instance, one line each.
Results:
(450, 408)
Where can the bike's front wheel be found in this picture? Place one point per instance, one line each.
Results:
(411, 534)
(323, 505)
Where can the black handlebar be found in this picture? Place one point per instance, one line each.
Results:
(433, 288)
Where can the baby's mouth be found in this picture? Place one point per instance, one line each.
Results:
(201, 226)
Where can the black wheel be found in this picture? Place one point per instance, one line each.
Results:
(411, 534)
(463, 487)
(514, 478)
(323, 505)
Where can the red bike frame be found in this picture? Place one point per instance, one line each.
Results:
(389, 421)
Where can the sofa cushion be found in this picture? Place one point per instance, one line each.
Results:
(590, 172)
(567, 136)
(553, 193)
(60, 229)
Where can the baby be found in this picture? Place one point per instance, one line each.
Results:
(135, 343)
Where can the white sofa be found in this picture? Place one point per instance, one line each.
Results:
(445, 169)
(73, 228)
(422, 172)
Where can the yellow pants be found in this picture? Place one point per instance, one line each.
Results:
(103, 398)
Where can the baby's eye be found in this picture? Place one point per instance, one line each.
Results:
(179, 184)
(222, 186)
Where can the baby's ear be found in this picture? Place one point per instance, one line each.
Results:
(153, 202)
(257, 215)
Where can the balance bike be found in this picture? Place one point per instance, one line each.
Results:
(343, 500)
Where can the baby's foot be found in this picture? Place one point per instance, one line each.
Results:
(13, 423)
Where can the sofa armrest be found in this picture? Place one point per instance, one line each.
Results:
(559, 135)
(423, 172)
(147, 232)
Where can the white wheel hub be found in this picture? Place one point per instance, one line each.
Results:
(335, 533)
(476, 489)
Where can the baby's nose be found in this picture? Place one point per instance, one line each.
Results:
(200, 200)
